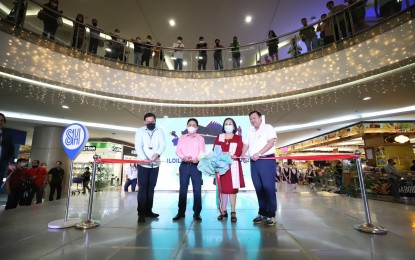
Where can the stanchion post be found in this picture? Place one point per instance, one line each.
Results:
(68, 195)
(89, 223)
(65, 223)
(367, 227)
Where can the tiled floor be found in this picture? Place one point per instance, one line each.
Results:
(309, 226)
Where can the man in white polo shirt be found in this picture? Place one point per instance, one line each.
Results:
(260, 144)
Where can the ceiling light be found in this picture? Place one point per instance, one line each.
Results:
(401, 139)
(64, 121)
(65, 107)
(184, 63)
(248, 19)
(367, 98)
(172, 22)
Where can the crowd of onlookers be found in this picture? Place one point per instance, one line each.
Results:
(333, 26)
(26, 185)
(289, 176)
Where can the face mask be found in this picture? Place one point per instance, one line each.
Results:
(148, 40)
(23, 164)
(191, 130)
(94, 24)
(235, 40)
(228, 129)
(151, 126)
(217, 44)
(34, 166)
(201, 41)
(394, 163)
(179, 41)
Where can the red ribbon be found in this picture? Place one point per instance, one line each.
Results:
(120, 161)
(319, 157)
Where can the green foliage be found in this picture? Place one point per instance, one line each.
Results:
(103, 176)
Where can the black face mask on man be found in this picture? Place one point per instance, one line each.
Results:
(151, 126)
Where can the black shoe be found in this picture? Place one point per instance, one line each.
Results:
(177, 217)
(141, 219)
(225, 215)
(152, 215)
(197, 217)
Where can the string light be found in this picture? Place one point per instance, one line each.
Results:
(265, 88)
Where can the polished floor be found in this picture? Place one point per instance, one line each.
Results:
(309, 226)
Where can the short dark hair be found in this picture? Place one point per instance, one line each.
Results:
(255, 112)
(234, 125)
(149, 36)
(390, 160)
(38, 162)
(87, 168)
(329, 2)
(302, 19)
(149, 115)
(21, 160)
(201, 38)
(59, 162)
(217, 40)
(194, 120)
(413, 161)
(4, 117)
(179, 38)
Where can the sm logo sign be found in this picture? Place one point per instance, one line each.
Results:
(74, 138)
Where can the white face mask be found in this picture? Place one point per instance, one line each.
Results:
(228, 129)
(179, 41)
(201, 41)
(191, 130)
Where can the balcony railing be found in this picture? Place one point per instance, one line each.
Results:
(40, 20)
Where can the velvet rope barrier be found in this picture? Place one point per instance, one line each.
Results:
(318, 157)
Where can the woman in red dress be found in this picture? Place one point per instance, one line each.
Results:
(233, 179)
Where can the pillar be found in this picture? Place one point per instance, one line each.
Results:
(47, 147)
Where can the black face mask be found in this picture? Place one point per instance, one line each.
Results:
(94, 24)
(217, 44)
(34, 166)
(151, 126)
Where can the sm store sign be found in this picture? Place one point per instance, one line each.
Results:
(74, 138)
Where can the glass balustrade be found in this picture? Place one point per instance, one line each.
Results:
(58, 28)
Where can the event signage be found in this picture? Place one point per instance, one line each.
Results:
(74, 138)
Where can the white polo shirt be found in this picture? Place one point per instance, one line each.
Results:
(257, 139)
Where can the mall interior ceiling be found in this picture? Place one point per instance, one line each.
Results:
(142, 17)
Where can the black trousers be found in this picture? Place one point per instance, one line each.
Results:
(147, 180)
(58, 188)
(39, 194)
(13, 199)
(93, 45)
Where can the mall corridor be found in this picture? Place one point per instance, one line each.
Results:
(309, 226)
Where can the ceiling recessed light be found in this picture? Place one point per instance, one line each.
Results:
(65, 107)
(248, 19)
(172, 22)
(367, 98)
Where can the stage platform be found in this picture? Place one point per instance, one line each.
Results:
(309, 225)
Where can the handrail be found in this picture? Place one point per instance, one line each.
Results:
(328, 18)
(256, 46)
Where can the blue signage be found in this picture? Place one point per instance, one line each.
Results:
(74, 138)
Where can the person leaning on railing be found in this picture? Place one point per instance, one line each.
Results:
(51, 17)
(217, 55)
(78, 31)
(236, 54)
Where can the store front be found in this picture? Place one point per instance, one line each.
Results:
(377, 142)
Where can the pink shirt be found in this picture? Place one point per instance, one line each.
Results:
(190, 146)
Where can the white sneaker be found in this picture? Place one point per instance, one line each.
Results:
(270, 221)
